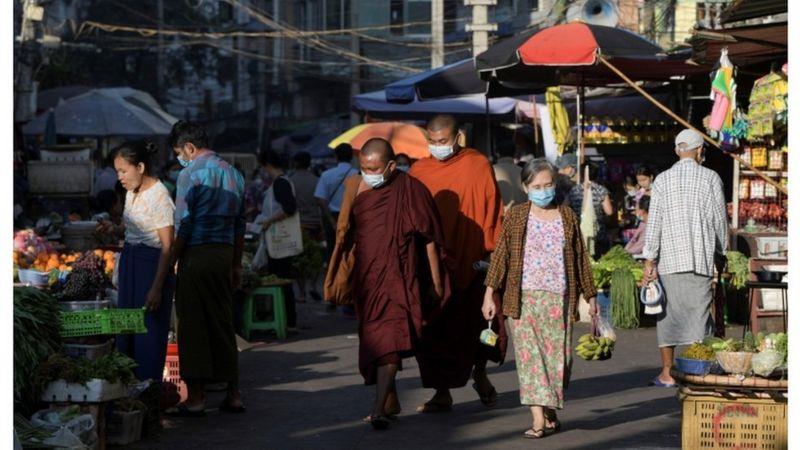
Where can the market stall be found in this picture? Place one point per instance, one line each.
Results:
(734, 393)
(71, 387)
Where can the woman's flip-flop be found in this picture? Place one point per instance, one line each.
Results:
(182, 410)
(535, 434)
(658, 383)
(489, 400)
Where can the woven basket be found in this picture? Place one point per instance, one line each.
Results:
(737, 363)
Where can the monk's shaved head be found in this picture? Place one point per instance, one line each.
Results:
(380, 147)
(443, 122)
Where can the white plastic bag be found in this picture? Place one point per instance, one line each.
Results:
(605, 329)
(63, 438)
(81, 427)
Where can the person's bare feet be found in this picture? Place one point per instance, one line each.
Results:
(392, 406)
(440, 402)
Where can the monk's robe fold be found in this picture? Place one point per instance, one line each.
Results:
(469, 203)
(391, 226)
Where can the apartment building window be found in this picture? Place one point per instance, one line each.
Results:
(450, 15)
(225, 11)
(418, 12)
(337, 14)
(708, 13)
(534, 5)
(396, 16)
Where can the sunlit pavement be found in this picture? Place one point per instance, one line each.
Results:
(305, 393)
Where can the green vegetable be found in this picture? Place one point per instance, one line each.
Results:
(36, 337)
(616, 258)
(739, 267)
(624, 300)
(112, 367)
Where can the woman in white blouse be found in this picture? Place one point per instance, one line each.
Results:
(146, 278)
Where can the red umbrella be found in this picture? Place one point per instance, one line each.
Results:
(569, 54)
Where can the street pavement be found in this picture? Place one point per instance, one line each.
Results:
(306, 393)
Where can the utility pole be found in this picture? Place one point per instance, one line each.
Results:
(28, 52)
(162, 95)
(480, 26)
(437, 33)
(355, 68)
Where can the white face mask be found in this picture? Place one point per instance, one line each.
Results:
(442, 152)
(374, 180)
(632, 192)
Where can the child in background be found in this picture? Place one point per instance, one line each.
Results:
(636, 244)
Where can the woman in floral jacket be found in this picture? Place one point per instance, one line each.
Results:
(541, 264)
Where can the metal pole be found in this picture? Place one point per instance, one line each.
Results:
(437, 33)
(355, 47)
(579, 134)
(489, 142)
(161, 56)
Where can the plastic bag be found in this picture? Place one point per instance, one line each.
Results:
(605, 329)
(764, 363)
(63, 438)
(81, 427)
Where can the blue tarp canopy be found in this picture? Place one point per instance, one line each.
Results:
(376, 104)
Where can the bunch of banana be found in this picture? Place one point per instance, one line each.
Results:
(593, 348)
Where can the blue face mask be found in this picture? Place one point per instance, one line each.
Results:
(183, 162)
(542, 197)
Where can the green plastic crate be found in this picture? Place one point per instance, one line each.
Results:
(103, 321)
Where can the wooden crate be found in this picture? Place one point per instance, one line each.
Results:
(714, 422)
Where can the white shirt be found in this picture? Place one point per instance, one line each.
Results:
(152, 210)
(688, 221)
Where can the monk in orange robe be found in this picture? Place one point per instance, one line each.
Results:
(394, 235)
(462, 183)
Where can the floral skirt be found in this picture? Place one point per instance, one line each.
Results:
(542, 345)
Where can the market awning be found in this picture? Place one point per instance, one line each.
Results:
(740, 10)
(747, 45)
(376, 104)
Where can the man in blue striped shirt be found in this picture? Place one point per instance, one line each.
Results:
(210, 226)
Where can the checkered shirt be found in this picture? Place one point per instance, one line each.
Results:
(688, 220)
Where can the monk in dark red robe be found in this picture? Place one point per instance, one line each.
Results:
(462, 183)
(395, 234)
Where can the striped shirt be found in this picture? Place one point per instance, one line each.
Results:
(688, 222)
(209, 205)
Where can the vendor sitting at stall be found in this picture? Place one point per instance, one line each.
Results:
(636, 244)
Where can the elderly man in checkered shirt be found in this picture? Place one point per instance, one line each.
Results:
(687, 234)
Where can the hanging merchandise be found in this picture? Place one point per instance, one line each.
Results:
(558, 118)
(768, 105)
(723, 93)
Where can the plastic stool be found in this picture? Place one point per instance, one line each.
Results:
(274, 295)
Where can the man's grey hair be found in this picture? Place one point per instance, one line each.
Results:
(535, 167)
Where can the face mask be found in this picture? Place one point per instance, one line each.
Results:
(542, 197)
(440, 152)
(258, 181)
(403, 168)
(183, 162)
(631, 192)
(374, 180)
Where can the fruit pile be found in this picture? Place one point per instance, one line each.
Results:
(62, 262)
(87, 279)
(592, 348)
